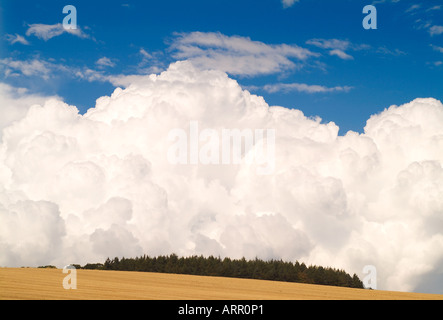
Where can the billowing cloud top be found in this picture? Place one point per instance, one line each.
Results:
(79, 188)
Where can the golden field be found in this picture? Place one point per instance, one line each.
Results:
(34, 283)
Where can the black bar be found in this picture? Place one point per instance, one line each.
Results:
(220, 309)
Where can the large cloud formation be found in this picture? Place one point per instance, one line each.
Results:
(80, 188)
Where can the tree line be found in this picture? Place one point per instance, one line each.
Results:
(276, 270)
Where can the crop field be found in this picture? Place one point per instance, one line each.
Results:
(35, 283)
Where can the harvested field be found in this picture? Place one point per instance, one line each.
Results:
(34, 283)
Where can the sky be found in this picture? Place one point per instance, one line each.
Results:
(357, 72)
(351, 118)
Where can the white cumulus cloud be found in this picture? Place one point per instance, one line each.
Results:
(80, 188)
(15, 103)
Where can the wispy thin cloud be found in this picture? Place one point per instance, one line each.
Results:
(330, 43)
(341, 54)
(385, 1)
(48, 31)
(151, 62)
(435, 30)
(46, 70)
(32, 67)
(145, 54)
(237, 55)
(434, 8)
(336, 47)
(16, 39)
(288, 3)
(302, 87)
(385, 51)
(105, 62)
(436, 48)
(37, 68)
(413, 7)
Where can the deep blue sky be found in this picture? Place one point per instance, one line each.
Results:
(400, 61)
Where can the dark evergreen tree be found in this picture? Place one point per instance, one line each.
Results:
(277, 270)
